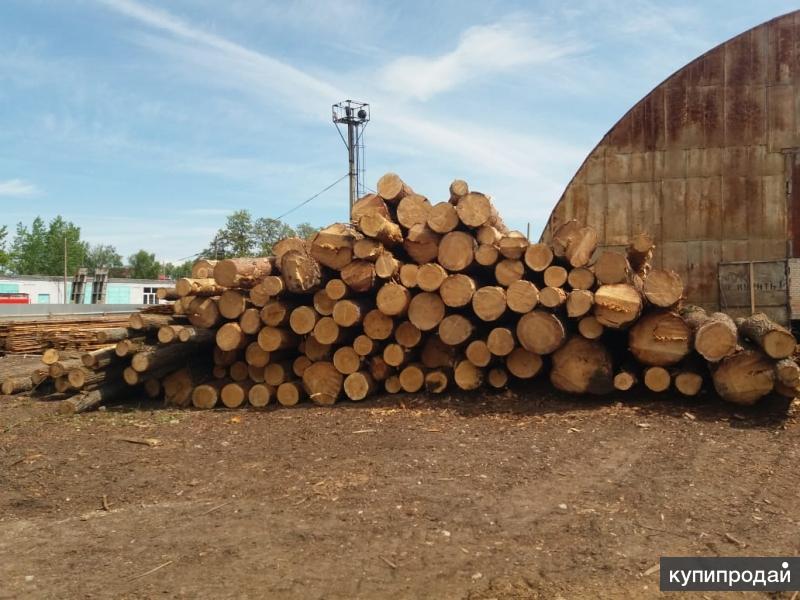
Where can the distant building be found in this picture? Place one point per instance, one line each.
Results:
(41, 289)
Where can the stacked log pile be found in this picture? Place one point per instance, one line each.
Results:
(34, 337)
(414, 296)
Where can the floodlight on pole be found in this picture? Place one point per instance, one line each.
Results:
(355, 116)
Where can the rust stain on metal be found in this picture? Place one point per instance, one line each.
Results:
(702, 162)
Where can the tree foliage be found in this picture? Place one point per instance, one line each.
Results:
(102, 256)
(244, 236)
(39, 250)
(143, 265)
(4, 257)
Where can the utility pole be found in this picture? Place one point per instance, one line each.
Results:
(355, 115)
(65, 270)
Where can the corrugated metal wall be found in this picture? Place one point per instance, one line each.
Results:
(700, 162)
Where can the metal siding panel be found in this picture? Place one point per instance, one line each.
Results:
(617, 167)
(673, 209)
(617, 229)
(782, 118)
(596, 207)
(645, 213)
(734, 226)
(704, 208)
(774, 194)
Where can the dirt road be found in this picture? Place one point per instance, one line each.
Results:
(529, 495)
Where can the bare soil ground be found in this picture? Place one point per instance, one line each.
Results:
(525, 494)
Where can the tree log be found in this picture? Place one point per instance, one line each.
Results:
(523, 364)
(513, 245)
(617, 305)
(436, 381)
(368, 249)
(775, 340)
(333, 246)
(497, 378)
(422, 244)
(359, 275)
(92, 399)
(744, 377)
(377, 325)
(235, 393)
(581, 278)
(509, 270)
(640, 253)
(359, 385)
(426, 310)
(412, 378)
(243, 272)
(467, 376)
(349, 312)
(203, 313)
(478, 353)
(540, 332)
(276, 313)
(387, 266)
(538, 257)
(454, 330)
(475, 209)
(198, 287)
(381, 228)
(323, 383)
(582, 366)
(663, 288)
(612, 267)
(457, 290)
(412, 210)
(442, 218)
(301, 272)
(323, 303)
(458, 189)
(407, 334)
(590, 328)
(260, 395)
(369, 204)
(487, 255)
(290, 393)
(231, 304)
(231, 337)
(431, 276)
(278, 338)
(457, 251)
(555, 276)
(660, 338)
(489, 303)
(302, 319)
(579, 303)
(203, 269)
(500, 341)
(688, 383)
(715, 335)
(346, 360)
(657, 379)
(393, 299)
(392, 189)
(408, 275)
(522, 296)
(552, 297)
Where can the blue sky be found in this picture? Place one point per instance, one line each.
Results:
(146, 123)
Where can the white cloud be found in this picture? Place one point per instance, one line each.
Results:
(481, 51)
(18, 188)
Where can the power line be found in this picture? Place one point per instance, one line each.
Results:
(288, 212)
(319, 193)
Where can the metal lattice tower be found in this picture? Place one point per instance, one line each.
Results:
(354, 115)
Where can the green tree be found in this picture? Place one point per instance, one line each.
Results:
(40, 249)
(4, 256)
(102, 256)
(306, 231)
(183, 269)
(143, 265)
(266, 232)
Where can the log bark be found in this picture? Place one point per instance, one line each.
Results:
(617, 305)
(660, 338)
(540, 332)
(150, 322)
(378, 368)
(582, 366)
(99, 359)
(15, 385)
(663, 288)
(714, 336)
(457, 251)
(333, 246)
(111, 335)
(92, 399)
(776, 341)
(243, 272)
(198, 287)
(522, 296)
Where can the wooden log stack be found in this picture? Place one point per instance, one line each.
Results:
(415, 295)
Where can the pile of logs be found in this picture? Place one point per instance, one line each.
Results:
(414, 296)
(78, 333)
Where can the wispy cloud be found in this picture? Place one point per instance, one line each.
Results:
(18, 188)
(480, 52)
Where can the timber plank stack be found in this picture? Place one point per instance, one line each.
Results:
(413, 295)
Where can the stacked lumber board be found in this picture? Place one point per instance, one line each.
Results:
(77, 333)
(413, 296)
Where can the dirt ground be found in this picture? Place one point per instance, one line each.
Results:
(524, 494)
